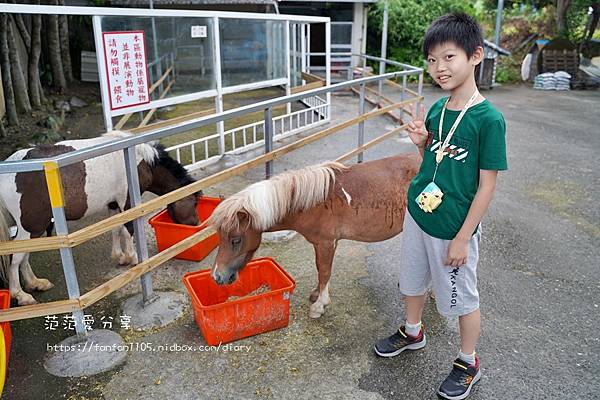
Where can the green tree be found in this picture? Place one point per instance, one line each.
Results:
(407, 22)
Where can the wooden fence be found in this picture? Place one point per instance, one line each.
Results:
(85, 234)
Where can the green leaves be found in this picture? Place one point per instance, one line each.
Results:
(407, 22)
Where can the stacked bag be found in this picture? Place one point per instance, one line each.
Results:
(563, 80)
(559, 80)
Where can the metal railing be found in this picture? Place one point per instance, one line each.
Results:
(250, 136)
(64, 240)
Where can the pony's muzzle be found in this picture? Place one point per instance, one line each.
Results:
(225, 278)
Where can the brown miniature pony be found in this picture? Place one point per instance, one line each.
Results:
(324, 203)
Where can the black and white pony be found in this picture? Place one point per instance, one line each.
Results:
(90, 187)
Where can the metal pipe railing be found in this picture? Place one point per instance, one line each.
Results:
(121, 144)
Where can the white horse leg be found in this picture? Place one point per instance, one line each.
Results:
(31, 281)
(318, 307)
(324, 257)
(130, 251)
(14, 284)
(116, 253)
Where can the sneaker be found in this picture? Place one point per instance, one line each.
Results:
(398, 342)
(460, 381)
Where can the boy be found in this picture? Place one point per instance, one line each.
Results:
(462, 142)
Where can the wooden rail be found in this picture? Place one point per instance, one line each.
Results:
(373, 102)
(126, 117)
(96, 229)
(397, 86)
(311, 78)
(308, 86)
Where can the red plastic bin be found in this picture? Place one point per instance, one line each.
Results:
(4, 305)
(223, 321)
(169, 233)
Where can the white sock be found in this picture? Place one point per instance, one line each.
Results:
(412, 329)
(468, 358)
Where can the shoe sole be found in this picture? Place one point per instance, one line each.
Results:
(414, 346)
(465, 394)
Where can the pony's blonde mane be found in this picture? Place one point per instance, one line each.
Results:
(268, 202)
(144, 151)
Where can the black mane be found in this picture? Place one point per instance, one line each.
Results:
(178, 171)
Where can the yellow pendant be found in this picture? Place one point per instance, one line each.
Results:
(439, 156)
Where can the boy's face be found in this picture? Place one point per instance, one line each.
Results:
(449, 65)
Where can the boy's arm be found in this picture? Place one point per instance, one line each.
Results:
(458, 249)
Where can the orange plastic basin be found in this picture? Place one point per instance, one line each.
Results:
(223, 321)
(169, 233)
(5, 304)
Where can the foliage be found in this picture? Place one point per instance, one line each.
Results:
(407, 22)
(576, 19)
(508, 70)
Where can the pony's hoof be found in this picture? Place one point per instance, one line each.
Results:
(316, 310)
(24, 299)
(41, 284)
(116, 257)
(124, 260)
(314, 295)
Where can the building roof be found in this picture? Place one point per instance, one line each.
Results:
(499, 49)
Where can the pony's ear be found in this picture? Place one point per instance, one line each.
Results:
(244, 219)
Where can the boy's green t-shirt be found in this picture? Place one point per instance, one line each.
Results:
(479, 142)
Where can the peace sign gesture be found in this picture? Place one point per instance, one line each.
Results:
(416, 128)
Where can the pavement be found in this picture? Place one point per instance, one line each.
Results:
(538, 280)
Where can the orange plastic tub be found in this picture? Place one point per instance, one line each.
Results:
(223, 321)
(5, 304)
(169, 233)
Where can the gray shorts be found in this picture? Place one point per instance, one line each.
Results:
(422, 264)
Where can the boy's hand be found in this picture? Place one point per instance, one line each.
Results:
(458, 251)
(416, 128)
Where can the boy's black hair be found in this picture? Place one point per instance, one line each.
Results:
(456, 27)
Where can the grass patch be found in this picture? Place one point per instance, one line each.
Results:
(229, 102)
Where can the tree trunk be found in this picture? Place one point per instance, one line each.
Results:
(9, 96)
(33, 71)
(63, 26)
(18, 80)
(561, 16)
(18, 18)
(58, 75)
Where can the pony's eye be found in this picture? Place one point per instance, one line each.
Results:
(236, 241)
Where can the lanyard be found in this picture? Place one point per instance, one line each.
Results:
(440, 152)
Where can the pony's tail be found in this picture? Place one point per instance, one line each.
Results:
(5, 223)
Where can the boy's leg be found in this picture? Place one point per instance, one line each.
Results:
(470, 327)
(465, 369)
(457, 296)
(413, 308)
(415, 279)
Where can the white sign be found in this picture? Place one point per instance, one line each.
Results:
(126, 69)
(198, 31)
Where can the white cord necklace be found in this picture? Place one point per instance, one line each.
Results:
(439, 156)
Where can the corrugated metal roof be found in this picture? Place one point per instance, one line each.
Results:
(497, 48)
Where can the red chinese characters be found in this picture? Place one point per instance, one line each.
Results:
(126, 69)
